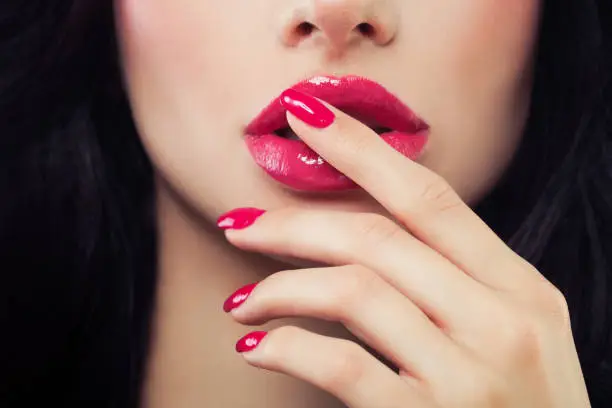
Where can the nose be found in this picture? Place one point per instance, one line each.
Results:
(340, 24)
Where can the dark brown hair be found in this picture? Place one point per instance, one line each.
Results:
(77, 232)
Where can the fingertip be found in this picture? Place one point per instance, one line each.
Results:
(308, 109)
(250, 347)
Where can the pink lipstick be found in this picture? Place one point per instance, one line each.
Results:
(288, 160)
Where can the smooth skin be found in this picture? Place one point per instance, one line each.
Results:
(198, 71)
(480, 326)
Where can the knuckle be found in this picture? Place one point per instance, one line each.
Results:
(344, 368)
(479, 389)
(353, 288)
(544, 299)
(491, 393)
(518, 342)
(438, 195)
(350, 140)
(376, 230)
(353, 139)
(282, 340)
(283, 344)
(553, 304)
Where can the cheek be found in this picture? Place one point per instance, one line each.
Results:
(196, 48)
(492, 34)
(177, 71)
(161, 43)
(479, 52)
(188, 72)
(489, 62)
(476, 42)
(471, 60)
(171, 84)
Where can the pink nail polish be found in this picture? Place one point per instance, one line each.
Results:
(307, 108)
(250, 341)
(240, 218)
(238, 297)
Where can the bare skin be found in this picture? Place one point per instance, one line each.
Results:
(196, 72)
(479, 329)
(193, 363)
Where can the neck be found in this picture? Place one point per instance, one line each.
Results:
(192, 361)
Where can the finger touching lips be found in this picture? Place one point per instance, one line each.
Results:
(310, 117)
(416, 196)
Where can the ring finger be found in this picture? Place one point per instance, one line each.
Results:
(368, 306)
(339, 367)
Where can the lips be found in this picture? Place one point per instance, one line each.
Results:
(291, 162)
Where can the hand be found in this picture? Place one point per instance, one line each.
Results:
(467, 321)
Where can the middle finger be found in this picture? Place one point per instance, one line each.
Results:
(367, 306)
(455, 301)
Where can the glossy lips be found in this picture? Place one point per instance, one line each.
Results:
(294, 164)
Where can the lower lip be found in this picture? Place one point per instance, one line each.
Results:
(297, 166)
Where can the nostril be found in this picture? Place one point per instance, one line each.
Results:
(365, 29)
(338, 30)
(305, 29)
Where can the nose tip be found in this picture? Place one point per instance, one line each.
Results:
(341, 23)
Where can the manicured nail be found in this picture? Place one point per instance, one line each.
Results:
(238, 297)
(240, 218)
(250, 341)
(307, 108)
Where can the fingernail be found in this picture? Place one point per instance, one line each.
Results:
(238, 297)
(240, 218)
(307, 108)
(250, 341)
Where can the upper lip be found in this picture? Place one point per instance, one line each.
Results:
(359, 97)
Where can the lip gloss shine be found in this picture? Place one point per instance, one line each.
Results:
(297, 166)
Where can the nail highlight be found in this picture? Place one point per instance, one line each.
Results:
(239, 218)
(307, 109)
(238, 297)
(250, 341)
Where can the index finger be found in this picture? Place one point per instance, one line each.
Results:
(417, 197)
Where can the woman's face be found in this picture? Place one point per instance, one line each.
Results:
(198, 72)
